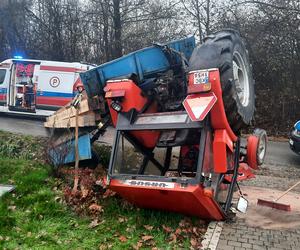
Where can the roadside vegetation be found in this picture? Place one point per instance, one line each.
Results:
(21, 146)
(42, 214)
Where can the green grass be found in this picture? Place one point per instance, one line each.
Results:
(33, 216)
(20, 147)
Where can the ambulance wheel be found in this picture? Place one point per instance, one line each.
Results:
(226, 51)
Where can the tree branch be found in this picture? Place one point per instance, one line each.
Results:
(268, 5)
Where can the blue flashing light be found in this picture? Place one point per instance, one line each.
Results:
(297, 125)
(18, 57)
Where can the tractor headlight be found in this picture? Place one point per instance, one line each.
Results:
(116, 106)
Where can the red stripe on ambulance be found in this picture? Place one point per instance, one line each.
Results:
(57, 101)
(2, 97)
(60, 69)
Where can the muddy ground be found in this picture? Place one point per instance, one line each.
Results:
(270, 182)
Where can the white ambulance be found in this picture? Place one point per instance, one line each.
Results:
(38, 87)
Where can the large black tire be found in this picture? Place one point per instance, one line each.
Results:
(225, 50)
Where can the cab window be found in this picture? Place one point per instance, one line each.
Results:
(2, 75)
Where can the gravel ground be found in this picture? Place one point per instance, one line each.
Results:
(277, 177)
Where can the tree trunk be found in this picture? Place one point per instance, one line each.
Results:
(198, 20)
(117, 29)
(207, 26)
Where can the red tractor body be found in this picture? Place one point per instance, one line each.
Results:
(209, 152)
(178, 110)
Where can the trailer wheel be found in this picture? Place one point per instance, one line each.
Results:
(226, 51)
(256, 148)
(262, 145)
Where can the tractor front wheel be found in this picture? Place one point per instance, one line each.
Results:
(226, 51)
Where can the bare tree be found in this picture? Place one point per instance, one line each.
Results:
(202, 13)
(14, 25)
(271, 29)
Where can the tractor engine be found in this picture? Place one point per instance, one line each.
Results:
(169, 90)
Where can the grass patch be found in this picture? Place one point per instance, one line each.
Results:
(31, 217)
(35, 215)
(21, 147)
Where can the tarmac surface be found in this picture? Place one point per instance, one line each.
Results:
(22, 125)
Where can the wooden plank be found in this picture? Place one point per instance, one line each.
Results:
(67, 112)
(86, 119)
(76, 177)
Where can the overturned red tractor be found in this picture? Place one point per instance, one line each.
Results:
(178, 111)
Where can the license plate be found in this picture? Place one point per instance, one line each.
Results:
(291, 142)
(201, 77)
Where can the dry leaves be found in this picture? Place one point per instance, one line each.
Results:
(105, 247)
(83, 201)
(122, 219)
(173, 238)
(166, 229)
(147, 237)
(94, 223)
(95, 208)
(108, 193)
(186, 230)
(12, 208)
(84, 191)
(194, 242)
(146, 240)
(122, 238)
(148, 227)
(58, 199)
(138, 245)
(178, 231)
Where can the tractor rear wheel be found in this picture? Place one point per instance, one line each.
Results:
(226, 51)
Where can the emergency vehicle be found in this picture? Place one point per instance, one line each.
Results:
(38, 87)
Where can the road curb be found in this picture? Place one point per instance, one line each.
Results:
(212, 235)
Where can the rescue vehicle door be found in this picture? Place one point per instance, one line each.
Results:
(22, 89)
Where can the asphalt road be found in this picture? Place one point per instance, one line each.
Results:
(22, 125)
(278, 153)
